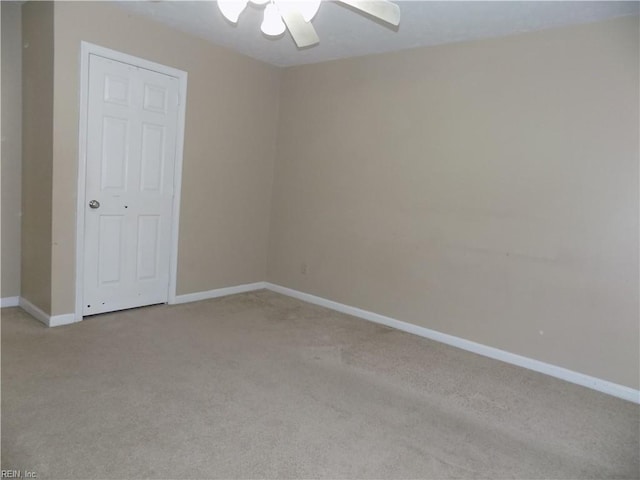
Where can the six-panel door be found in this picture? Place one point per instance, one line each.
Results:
(131, 142)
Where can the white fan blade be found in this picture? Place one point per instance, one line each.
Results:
(302, 32)
(383, 9)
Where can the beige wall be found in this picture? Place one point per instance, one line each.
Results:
(488, 190)
(37, 149)
(229, 150)
(11, 147)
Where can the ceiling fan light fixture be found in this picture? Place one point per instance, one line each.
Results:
(307, 8)
(296, 15)
(231, 9)
(272, 24)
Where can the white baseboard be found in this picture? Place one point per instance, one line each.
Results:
(64, 319)
(48, 320)
(34, 311)
(593, 383)
(9, 302)
(218, 292)
(562, 373)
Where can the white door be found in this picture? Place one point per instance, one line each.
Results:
(131, 142)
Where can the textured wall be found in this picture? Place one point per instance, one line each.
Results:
(229, 153)
(37, 151)
(11, 146)
(488, 190)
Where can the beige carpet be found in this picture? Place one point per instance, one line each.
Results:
(260, 385)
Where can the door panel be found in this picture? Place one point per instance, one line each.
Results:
(111, 239)
(148, 235)
(116, 89)
(152, 157)
(114, 154)
(155, 98)
(131, 141)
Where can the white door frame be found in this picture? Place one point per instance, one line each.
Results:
(87, 49)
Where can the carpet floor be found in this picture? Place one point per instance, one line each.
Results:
(259, 385)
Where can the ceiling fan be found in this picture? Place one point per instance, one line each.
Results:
(296, 15)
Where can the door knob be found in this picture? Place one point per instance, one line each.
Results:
(94, 204)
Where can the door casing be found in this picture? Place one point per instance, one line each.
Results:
(86, 49)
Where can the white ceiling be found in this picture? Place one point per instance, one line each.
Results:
(345, 33)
